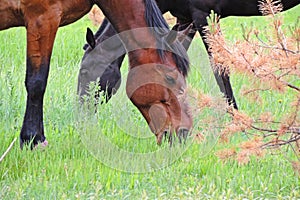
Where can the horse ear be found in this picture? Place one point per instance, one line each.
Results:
(176, 27)
(171, 37)
(90, 39)
(180, 35)
(188, 29)
(184, 33)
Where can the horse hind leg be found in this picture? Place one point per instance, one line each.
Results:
(223, 79)
(40, 39)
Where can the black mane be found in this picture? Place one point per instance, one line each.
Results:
(156, 21)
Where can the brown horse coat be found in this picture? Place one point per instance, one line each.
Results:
(42, 19)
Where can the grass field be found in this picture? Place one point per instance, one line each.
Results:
(87, 156)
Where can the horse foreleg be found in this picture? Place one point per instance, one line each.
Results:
(40, 38)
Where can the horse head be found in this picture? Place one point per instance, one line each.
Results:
(159, 92)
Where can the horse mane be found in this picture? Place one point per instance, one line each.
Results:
(102, 27)
(160, 30)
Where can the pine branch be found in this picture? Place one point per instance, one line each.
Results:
(279, 143)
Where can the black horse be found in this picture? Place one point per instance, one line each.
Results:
(109, 60)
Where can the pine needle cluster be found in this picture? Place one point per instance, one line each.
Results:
(271, 60)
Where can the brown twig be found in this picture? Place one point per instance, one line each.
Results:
(292, 87)
(254, 90)
(278, 143)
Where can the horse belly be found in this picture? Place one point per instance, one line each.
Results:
(10, 14)
(74, 10)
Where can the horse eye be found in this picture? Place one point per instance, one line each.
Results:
(170, 79)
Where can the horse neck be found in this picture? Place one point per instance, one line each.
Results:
(128, 18)
(149, 55)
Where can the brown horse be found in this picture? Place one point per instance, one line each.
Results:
(42, 18)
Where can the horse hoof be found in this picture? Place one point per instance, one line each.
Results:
(41, 145)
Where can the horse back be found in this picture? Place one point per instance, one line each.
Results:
(235, 7)
(19, 12)
(249, 7)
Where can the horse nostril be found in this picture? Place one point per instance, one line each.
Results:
(168, 136)
(182, 134)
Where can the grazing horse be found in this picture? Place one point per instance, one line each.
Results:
(42, 18)
(186, 11)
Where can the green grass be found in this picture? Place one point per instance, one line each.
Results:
(79, 164)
